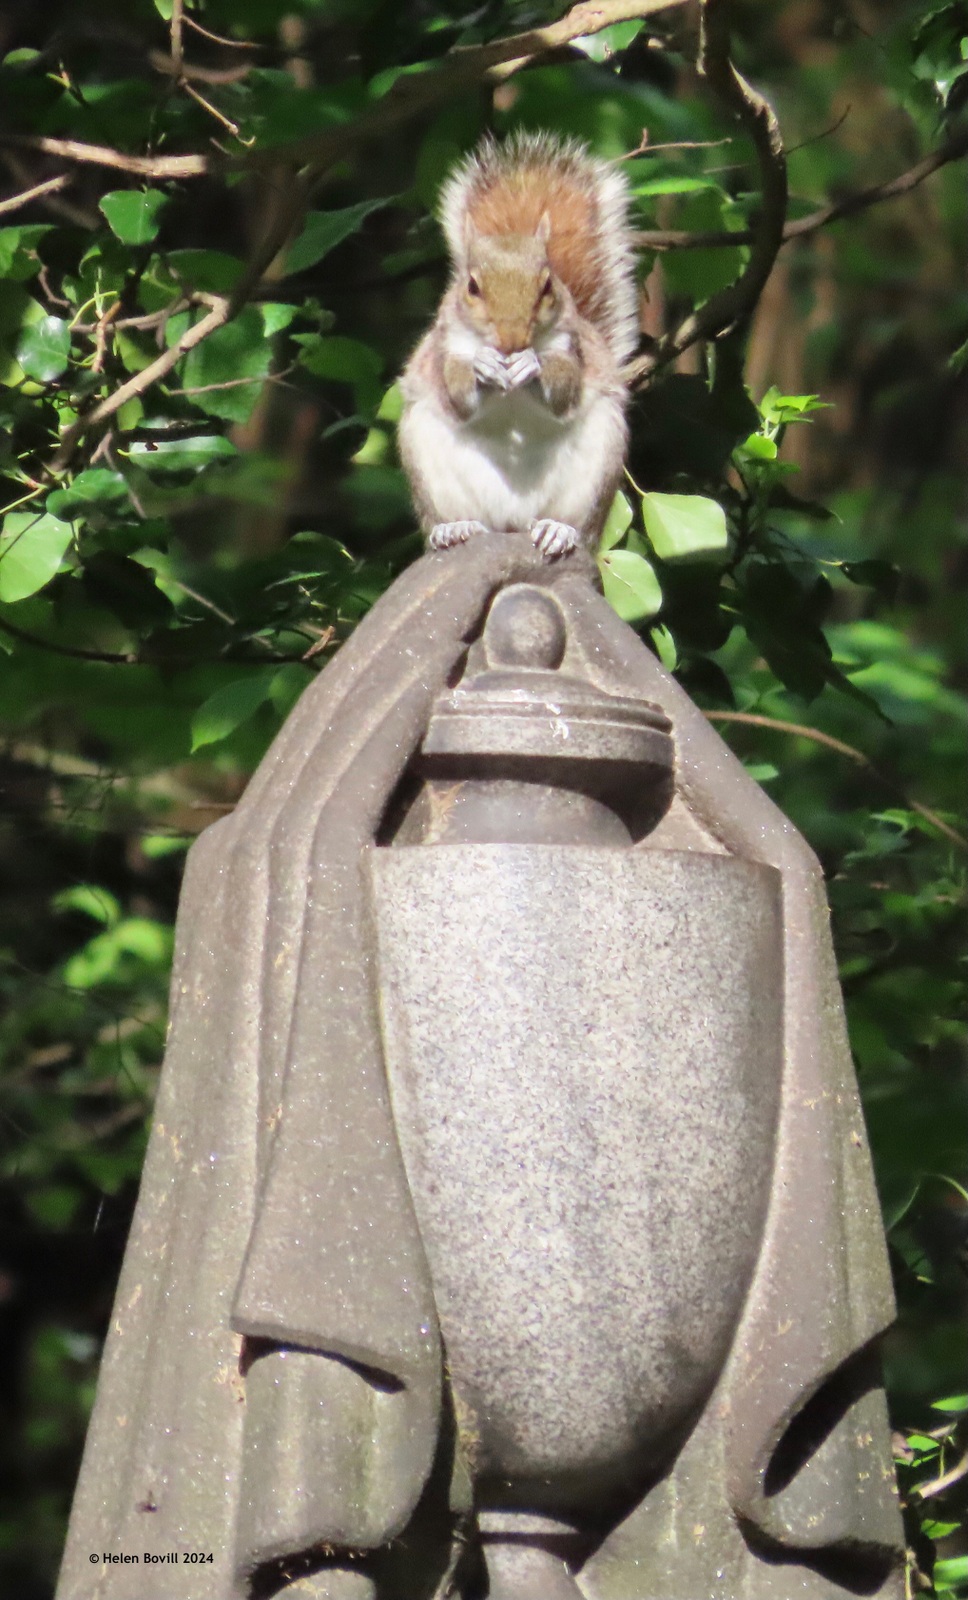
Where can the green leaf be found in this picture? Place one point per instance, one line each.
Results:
(32, 547)
(630, 584)
(323, 230)
(759, 447)
(95, 902)
(923, 1444)
(954, 1402)
(348, 361)
(238, 350)
(228, 708)
(132, 214)
(44, 349)
(162, 454)
(18, 254)
(776, 407)
(617, 523)
(608, 42)
(276, 315)
(665, 647)
(678, 183)
(96, 486)
(947, 1573)
(120, 953)
(683, 527)
(938, 1530)
(879, 575)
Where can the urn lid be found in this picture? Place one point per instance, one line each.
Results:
(523, 708)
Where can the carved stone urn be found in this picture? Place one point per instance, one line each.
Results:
(508, 1226)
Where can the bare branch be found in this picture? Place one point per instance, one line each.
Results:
(408, 96)
(734, 303)
(411, 94)
(137, 385)
(49, 186)
(800, 730)
(103, 156)
(218, 38)
(849, 205)
(925, 1491)
(460, 68)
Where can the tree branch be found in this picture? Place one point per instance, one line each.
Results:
(103, 156)
(753, 719)
(951, 149)
(411, 94)
(49, 186)
(217, 317)
(736, 302)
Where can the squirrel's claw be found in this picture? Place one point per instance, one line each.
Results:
(553, 538)
(444, 534)
(521, 368)
(491, 368)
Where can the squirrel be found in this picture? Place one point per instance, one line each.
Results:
(513, 403)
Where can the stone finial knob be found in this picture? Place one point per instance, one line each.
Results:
(526, 629)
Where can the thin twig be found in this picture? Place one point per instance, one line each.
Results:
(190, 70)
(175, 33)
(103, 156)
(834, 211)
(213, 111)
(737, 301)
(459, 69)
(753, 719)
(217, 317)
(411, 94)
(218, 38)
(49, 186)
(925, 1491)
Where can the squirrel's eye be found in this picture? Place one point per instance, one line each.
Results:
(473, 287)
(547, 288)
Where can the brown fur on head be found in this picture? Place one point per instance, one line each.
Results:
(509, 290)
(535, 185)
(523, 202)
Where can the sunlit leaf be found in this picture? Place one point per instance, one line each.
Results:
(682, 527)
(32, 546)
(617, 522)
(44, 350)
(630, 585)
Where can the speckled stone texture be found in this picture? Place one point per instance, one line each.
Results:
(275, 1387)
(583, 1049)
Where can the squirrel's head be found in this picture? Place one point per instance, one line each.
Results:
(506, 287)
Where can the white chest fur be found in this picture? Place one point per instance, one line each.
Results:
(513, 461)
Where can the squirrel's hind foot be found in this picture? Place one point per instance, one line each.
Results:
(554, 538)
(445, 534)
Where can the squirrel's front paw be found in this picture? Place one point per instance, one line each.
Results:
(554, 538)
(444, 534)
(490, 367)
(521, 368)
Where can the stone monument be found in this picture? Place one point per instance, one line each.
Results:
(508, 1226)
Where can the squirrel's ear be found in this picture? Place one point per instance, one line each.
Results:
(471, 234)
(543, 230)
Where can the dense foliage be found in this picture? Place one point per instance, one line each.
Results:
(229, 251)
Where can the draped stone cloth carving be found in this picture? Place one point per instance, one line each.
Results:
(274, 1210)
